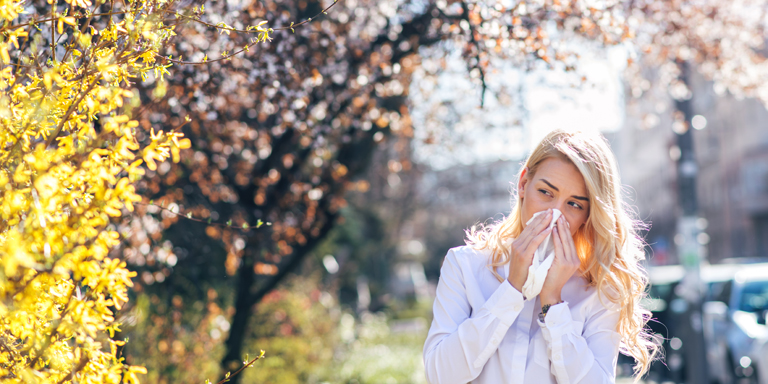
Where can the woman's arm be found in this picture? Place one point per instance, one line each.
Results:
(460, 341)
(577, 356)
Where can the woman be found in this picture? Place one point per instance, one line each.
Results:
(588, 308)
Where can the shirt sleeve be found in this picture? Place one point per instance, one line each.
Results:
(460, 340)
(582, 356)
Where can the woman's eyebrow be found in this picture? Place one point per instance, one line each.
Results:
(556, 189)
(550, 185)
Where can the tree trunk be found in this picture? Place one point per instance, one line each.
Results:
(246, 299)
(237, 331)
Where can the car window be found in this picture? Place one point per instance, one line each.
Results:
(754, 296)
(722, 291)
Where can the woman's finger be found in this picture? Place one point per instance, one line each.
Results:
(533, 229)
(535, 223)
(557, 241)
(529, 232)
(563, 235)
(537, 240)
(569, 244)
(568, 241)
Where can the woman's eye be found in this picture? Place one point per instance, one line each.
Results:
(576, 205)
(544, 191)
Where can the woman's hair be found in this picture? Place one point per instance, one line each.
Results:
(608, 245)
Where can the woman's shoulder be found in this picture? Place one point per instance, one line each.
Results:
(468, 255)
(469, 260)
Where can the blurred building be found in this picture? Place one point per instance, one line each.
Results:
(456, 198)
(732, 184)
(642, 151)
(469, 192)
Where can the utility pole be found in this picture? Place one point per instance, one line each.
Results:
(689, 250)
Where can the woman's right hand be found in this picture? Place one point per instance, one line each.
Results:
(524, 247)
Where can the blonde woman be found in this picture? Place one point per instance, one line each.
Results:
(587, 305)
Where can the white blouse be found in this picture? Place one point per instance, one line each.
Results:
(485, 332)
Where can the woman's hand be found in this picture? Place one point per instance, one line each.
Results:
(564, 265)
(524, 247)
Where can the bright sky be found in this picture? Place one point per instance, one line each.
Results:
(597, 104)
(519, 110)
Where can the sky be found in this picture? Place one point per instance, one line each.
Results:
(520, 107)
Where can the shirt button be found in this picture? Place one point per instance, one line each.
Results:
(556, 356)
(495, 340)
(518, 307)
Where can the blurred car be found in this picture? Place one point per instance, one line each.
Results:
(671, 317)
(735, 328)
(723, 289)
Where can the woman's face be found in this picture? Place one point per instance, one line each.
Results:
(556, 184)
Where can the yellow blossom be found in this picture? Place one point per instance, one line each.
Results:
(69, 162)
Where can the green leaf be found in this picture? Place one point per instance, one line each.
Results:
(229, 222)
(189, 215)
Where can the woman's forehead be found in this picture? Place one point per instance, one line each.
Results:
(562, 175)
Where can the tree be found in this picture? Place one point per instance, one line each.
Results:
(725, 40)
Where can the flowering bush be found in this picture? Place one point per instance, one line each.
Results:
(70, 155)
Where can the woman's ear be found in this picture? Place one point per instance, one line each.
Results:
(522, 182)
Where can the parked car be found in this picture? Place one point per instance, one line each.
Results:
(671, 317)
(735, 328)
(733, 322)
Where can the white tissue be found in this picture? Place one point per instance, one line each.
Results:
(542, 259)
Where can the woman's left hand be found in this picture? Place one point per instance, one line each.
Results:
(564, 265)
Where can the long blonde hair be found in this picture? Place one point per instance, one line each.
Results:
(608, 244)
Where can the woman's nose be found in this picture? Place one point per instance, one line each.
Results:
(560, 205)
(563, 208)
